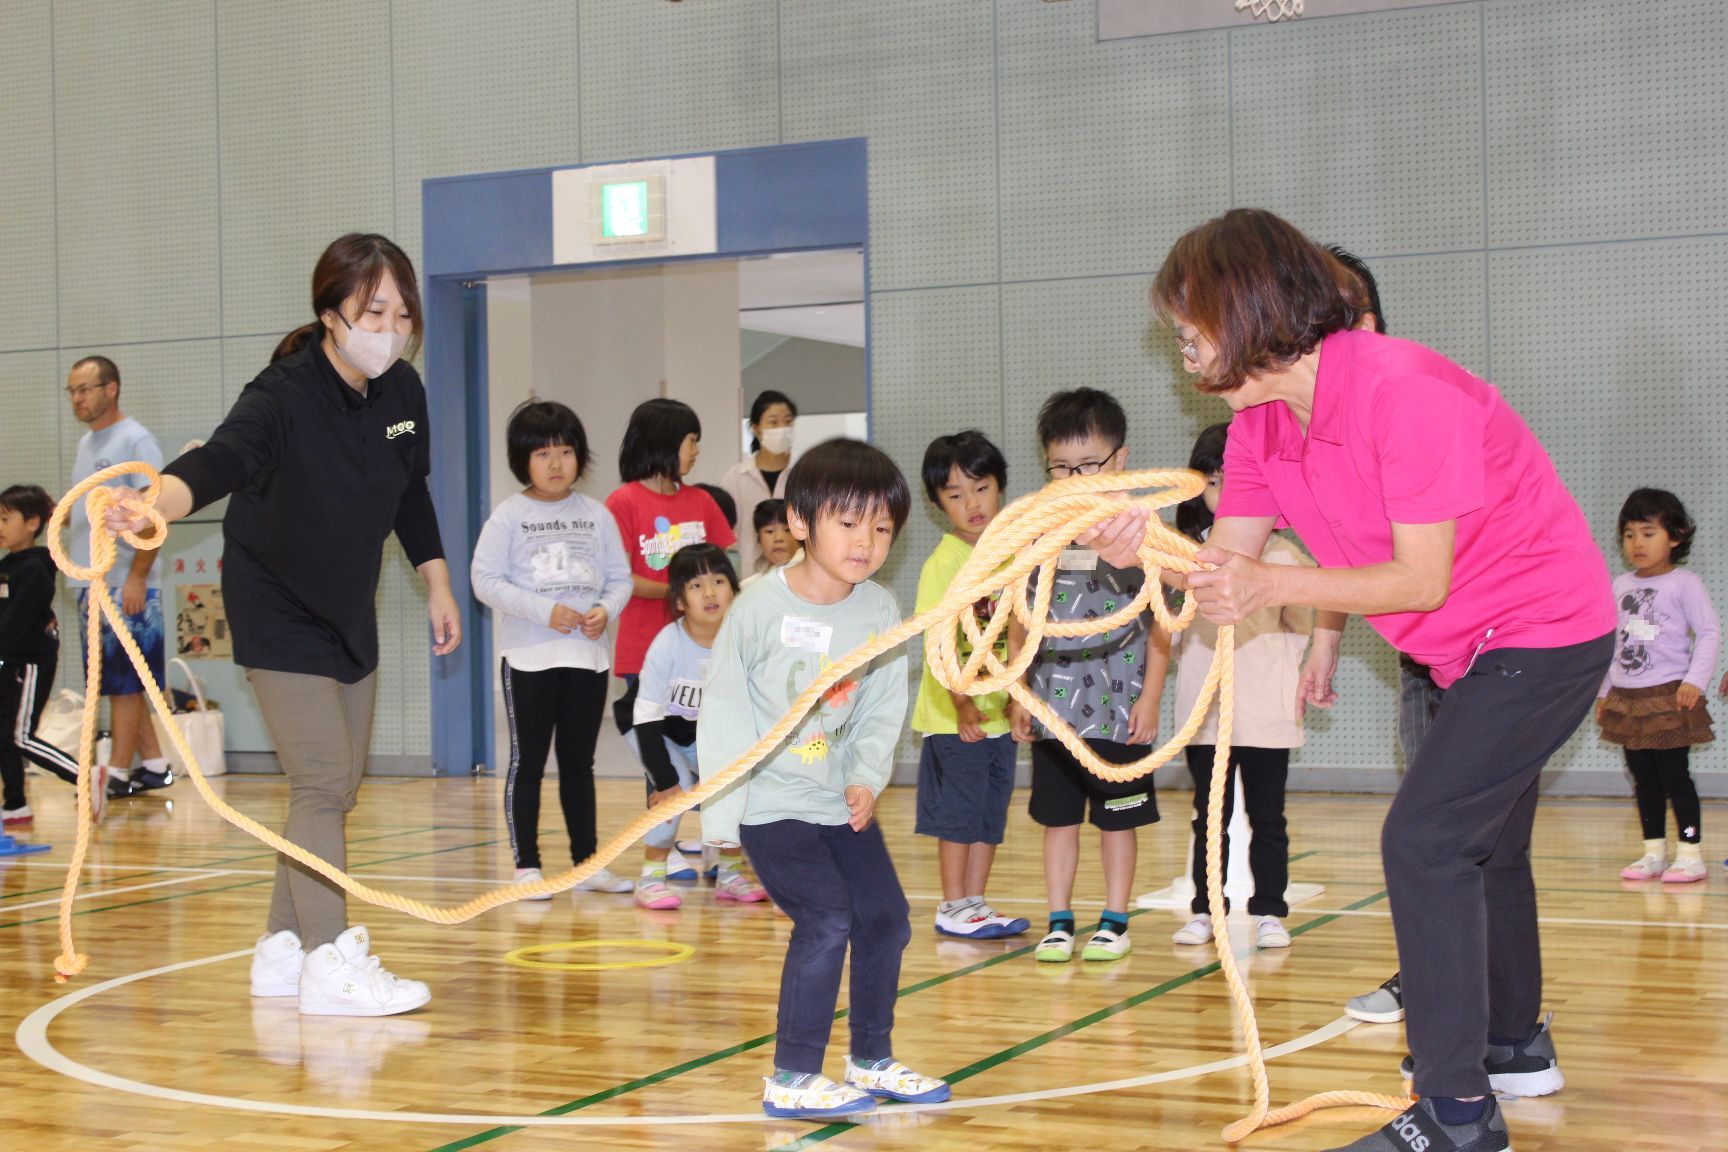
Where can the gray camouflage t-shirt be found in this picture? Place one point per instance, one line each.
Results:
(1092, 681)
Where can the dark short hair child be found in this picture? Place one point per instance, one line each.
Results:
(1370, 286)
(1080, 413)
(971, 452)
(768, 512)
(1659, 506)
(841, 476)
(723, 500)
(29, 500)
(1193, 518)
(538, 424)
(696, 560)
(653, 437)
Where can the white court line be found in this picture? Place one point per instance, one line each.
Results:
(94, 893)
(32, 1039)
(1580, 921)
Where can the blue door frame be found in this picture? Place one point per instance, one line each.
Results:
(784, 198)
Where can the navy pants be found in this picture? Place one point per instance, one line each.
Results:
(1456, 848)
(839, 887)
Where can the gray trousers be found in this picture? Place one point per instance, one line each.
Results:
(1418, 700)
(322, 729)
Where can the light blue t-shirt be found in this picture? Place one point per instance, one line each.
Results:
(124, 440)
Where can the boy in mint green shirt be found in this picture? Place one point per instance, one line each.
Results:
(966, 763)
(806, 813)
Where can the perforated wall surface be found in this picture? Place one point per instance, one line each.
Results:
(1539, 187)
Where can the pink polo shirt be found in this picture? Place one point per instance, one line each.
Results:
(1401, 434)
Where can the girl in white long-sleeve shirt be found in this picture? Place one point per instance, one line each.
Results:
(551, 566)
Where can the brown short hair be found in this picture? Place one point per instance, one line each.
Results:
(1262, 293)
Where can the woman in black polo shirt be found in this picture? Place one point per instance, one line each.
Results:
(324, 455)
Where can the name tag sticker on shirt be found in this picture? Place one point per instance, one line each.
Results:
(1077, 560)
(810, 635)
(1643, 630)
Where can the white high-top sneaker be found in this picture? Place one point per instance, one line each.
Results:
(276, 965)
(342, 979)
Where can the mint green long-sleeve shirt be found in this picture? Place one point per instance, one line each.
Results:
(771, 646)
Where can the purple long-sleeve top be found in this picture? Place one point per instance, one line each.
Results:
(1668, 631)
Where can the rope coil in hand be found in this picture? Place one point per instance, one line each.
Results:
(1019, 550)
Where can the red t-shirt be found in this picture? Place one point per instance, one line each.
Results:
(653, 527)
(1401, 435)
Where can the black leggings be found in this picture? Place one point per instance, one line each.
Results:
(1264, 772)
(1660, 777)
(570, 702)
(24, 692)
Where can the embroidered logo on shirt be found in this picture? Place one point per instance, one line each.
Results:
(401, 428)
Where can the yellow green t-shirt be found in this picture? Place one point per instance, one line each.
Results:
(934, 713)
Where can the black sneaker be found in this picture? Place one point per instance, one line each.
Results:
(1528, 1069)
(119, 787)
(145, 780)
(1384, 1005)
(1417, 1129)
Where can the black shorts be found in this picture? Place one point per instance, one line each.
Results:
(1062, 788)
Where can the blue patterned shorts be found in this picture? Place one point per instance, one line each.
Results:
(119, 678)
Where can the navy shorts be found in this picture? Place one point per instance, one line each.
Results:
(964, 789)
(1062, 788)
(119, 678)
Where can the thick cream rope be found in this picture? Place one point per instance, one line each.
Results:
(1020, 548)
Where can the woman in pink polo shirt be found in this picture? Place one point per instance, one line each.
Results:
(1435, 513)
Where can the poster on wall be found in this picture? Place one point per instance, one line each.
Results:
(201, 623)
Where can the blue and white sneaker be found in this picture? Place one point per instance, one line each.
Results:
(679, 869)
(812, 1096)
(979, 922)
(894, 1081)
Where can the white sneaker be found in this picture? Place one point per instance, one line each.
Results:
(1269, 932)
(1649, 866)
(276, 963)
(897, 1082)
(341, 979)
(18, 815)
(1196, 931)
(531, 876)
(606, 881)
(979, 922)
(99, 777)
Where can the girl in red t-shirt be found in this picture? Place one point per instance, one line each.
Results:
(657, 514)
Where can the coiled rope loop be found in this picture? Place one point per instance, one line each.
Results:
(1016, 557)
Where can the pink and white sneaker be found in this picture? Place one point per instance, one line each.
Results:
(652, 892)
(1685, 870)
(739, 887)
(1647, 867)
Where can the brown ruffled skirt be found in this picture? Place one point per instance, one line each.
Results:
(1642, 718)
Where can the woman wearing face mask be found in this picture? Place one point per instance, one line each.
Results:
(762, 475)
(324, 455)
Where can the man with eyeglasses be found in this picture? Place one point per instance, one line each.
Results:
(93, 386)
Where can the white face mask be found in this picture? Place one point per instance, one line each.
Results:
(776, 441)
(371, 353)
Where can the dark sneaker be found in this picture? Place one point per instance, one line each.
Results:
(1384, 1005)
(119, 787)
(1527, 1069)
(1418, 1130)
(145, 780)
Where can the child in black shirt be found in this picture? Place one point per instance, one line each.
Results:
(29, 648)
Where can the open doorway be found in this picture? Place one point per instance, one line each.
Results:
(712, 333)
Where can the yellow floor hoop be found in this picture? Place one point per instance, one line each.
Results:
(671, 952)
(1015, 558)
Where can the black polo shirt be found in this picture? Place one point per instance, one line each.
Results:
(319, 476)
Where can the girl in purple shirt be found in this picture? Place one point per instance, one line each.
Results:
(1652, 700)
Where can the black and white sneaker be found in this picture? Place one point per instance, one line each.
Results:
(144, 780)
(1417, 1129)
(1528, 1069)
(1384, 1005)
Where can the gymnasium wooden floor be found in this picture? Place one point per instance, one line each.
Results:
(158, 1045)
